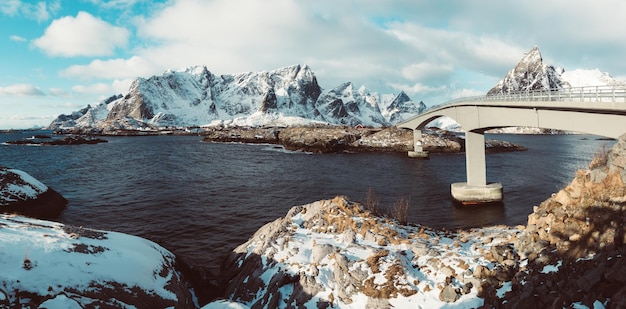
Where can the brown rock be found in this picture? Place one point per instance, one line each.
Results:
(448, 294)
(481, 272)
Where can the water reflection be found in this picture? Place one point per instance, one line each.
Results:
(468, 216)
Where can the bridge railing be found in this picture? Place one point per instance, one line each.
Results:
(573, 94)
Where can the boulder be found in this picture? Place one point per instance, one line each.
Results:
(47, 264)
(449, 294)
(22, 194)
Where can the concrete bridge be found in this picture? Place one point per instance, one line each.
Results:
(593, 110)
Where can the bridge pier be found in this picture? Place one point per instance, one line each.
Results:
(476, 190)
(418, 148)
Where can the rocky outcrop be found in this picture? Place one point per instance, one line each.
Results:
(51, 265)
(574, 243)
(320, 140)
(68, 140)
(339, 253)
(588, 216)
(334, 139)
(22, 194)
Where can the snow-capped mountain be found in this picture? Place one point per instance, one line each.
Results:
(529, 74)
(349, 106)
(195, 97)
(584, 78)
(401, 107)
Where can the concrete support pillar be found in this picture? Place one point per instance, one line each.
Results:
(476, 190)
(475, 159)
(418, 147)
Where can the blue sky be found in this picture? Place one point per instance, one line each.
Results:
(58, 56)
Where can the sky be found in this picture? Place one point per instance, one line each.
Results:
(58, 56)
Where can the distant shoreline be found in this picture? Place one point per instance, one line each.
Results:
(315, 139)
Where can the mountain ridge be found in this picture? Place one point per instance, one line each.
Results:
(194, 96)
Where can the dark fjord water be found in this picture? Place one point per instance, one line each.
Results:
(201, 200)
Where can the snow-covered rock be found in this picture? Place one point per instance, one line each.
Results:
(51, 265)
(195, 97)
(21, 193)
(336, 253)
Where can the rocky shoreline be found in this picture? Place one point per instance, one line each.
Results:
(342, 253)
(334, 139)
(44, 140)
(321, 138)
(570, 254)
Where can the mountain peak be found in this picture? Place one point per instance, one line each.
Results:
(532, 57)
(529, 74)
(401, 97)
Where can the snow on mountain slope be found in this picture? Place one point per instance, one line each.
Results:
(529, 74)
(400, 108)
(194, 96)
(532, 74)
(349, 106)
(446, 123)
(584, 78)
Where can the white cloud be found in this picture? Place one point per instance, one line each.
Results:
(104, 89)
(427, 70)
(112, 69)
(418, 88)
(443, 47)
(431, 50)
(10, 7)
(116, 4)
(17, 38)
(40, 11)
(239, 36)
(461, 93)
(93, 88)
(59, 92)
(83, 35)
(121, 86)
(21, 90)
(28, 117)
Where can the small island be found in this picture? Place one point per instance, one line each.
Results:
(44, 140)
(337, 139)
